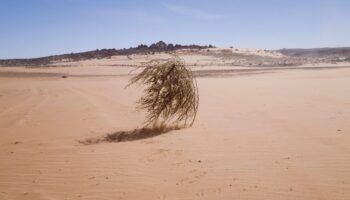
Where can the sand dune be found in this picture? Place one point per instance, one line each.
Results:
(277, 135)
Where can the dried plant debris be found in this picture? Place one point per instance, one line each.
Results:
(170, 94)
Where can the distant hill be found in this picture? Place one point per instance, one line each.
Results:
(318, 52)
(99, 54)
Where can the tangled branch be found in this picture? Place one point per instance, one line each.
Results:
(171, 92)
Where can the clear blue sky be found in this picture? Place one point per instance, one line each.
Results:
(31, 28)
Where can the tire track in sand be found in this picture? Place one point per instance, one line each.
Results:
(104, 107)
(18, 114)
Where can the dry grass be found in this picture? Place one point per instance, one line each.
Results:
(170, 94)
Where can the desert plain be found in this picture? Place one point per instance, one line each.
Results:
(261, 133)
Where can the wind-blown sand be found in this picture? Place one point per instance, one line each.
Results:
(277, 135)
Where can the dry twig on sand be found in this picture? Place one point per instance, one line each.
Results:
(171, 92)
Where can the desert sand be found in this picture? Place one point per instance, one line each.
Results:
(274, 134)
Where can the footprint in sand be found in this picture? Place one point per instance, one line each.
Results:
(200, 194)
(163, 154)
(162, 197)
(193, 177)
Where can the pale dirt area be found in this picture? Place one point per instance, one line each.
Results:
(278, 135)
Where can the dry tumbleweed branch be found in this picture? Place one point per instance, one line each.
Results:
(171, 92)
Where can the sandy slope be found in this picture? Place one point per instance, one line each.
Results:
(282, 135)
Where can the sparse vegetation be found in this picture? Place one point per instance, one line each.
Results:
(171, 93)
(100, 54)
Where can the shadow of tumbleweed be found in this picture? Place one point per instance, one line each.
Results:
(127, 136)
